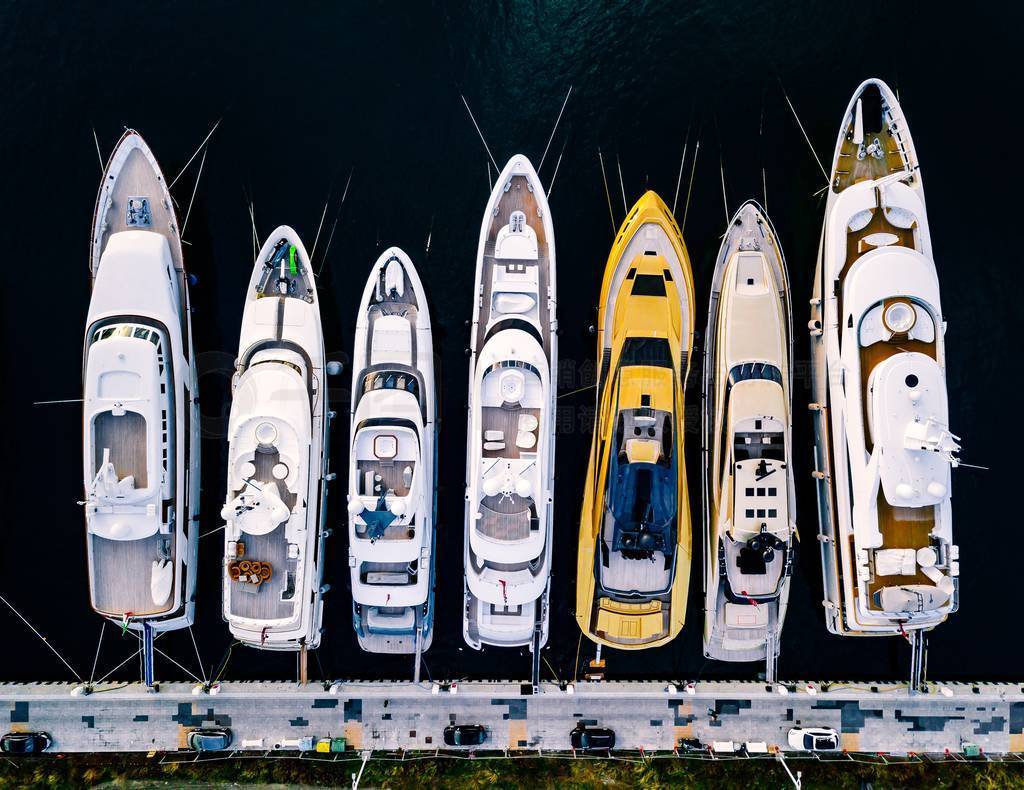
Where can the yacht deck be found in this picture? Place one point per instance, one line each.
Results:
(517, 198)
(125, 437)
(122, 571)
(264, 602)
(506, 421)
(137, 179)
(900, 527)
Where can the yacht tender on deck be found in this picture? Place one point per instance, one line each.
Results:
(749, 495)
(277, 456)
(140, 402)
(883, 445)
(392, 462)
(511, 430)
(633, 567)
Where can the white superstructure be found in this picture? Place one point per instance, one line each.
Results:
(392, 484)
(511, 421)
(884, 448)
(749, 495)
(140, 412)
(277, 457)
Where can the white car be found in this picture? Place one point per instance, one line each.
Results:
(814, 739)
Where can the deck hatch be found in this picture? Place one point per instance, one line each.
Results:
(648, 285)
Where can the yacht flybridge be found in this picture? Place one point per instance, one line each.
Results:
(511, 430)
(392, 462)
(749, 495)
(634, 543)
(140, 412)
(884, 449)
(277, 457)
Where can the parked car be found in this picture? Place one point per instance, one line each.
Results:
(814, 739)
(464, 734)
(691, 746)
(208, 739)
(25, 742)
(592, 738)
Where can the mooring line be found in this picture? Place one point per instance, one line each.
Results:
(576, 391)
(224, 662)
(725, 200)
(195, 188)
(607, 194)
(319, 663)
(622, 184)
(760, 142)
(198, 659)
(679, 179)
(208, 136)
(689, 190)
(804, 132)
(477, 126)
(252, 223)
(99, 644)
(188, 672)
(555, 129)
(111, 672)
(558, 162)
(43, 638)
(99, 154)
(320, 227)
(334, 225)
(52, 402)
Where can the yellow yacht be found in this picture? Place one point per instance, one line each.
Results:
(634, 558)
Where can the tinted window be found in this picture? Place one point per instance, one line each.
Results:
(650, 351)
(648, 285)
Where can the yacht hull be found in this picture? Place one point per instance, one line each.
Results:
(278, 458)
(749, 333)
(511, 426)
(142, 479)
(874, 253)
(648, 249)
(392, 493)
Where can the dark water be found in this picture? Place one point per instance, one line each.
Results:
(375, 88)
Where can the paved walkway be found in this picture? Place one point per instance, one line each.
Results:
(648, 715)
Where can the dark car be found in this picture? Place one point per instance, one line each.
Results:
(25, 742)
(208, 739)
(691, 745)
(592, 738)
(464, 735)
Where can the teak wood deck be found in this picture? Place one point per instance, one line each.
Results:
(264, 602)
(517, 198)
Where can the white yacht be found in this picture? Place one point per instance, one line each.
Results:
(884, 449)
(749, 494)
(392, 485)
(140, 403)
(277, 457)
(511, 424)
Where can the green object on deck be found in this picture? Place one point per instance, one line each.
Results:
(971, 750)
(291, 260)
(337, 744)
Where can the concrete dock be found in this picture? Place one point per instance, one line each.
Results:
(650, 716)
